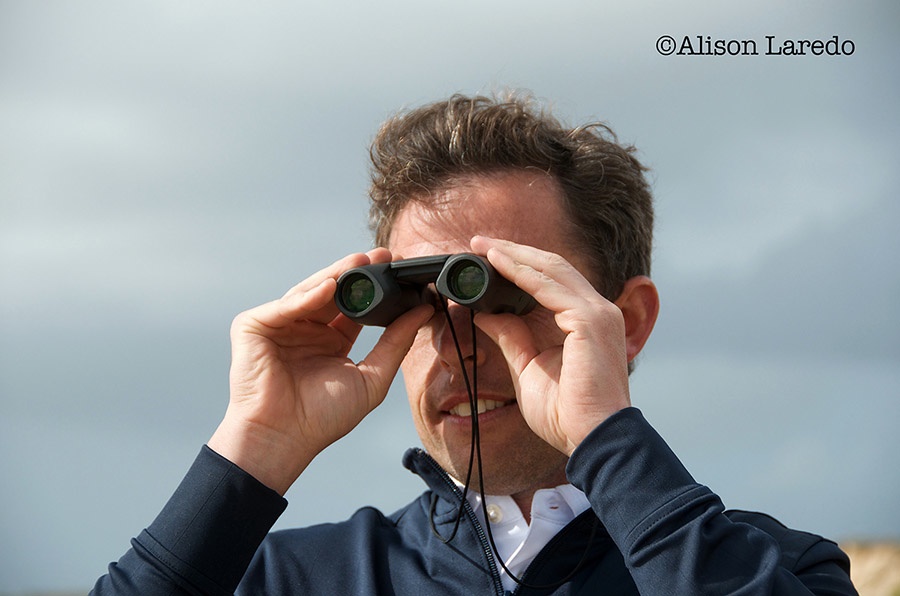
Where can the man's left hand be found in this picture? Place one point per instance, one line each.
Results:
(570, 379)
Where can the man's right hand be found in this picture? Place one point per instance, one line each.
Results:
(293, 389)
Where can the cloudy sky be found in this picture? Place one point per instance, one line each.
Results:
(165, 165)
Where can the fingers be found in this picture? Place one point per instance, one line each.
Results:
(554, 282)
(312, 298)
(333, 271)
(380, 366)
(590, 325)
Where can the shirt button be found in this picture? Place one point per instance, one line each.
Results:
(494, 513)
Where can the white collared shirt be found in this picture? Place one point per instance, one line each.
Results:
(517, 541)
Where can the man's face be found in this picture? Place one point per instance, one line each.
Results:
(524, 207)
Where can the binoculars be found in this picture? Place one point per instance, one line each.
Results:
(378, 294)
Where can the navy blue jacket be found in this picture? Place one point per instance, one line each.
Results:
(659, 532)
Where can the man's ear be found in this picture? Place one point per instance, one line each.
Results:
(639, 303)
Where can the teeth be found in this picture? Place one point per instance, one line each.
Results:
(484, 405)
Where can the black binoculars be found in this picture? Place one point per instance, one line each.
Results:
(378, 294)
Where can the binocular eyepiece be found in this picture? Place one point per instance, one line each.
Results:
(378, 294)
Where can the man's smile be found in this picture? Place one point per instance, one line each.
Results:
(483, 405)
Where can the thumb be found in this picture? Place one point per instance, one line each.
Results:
(380, 366)
(514, 338)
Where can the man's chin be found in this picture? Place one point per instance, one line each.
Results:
(510, 475)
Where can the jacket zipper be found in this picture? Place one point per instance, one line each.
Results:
(470, 513)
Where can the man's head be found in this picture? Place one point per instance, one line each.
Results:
(418, 154)
(453, 170)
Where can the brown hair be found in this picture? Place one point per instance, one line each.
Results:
(418, 153)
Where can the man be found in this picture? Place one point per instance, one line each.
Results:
(585, 497)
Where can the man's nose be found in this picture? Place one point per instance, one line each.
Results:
(458, 320)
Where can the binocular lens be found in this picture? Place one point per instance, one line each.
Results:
(357, 294)
(467, 281)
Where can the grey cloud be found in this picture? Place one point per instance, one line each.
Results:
(165, 165)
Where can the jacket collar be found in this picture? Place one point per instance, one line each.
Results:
(419, 462)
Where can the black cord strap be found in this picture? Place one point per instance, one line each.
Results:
(475, 454)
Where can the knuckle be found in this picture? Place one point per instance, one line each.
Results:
(239, 325)
(239, 321)
(554, 261)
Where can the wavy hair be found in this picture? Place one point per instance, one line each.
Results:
(418, 153)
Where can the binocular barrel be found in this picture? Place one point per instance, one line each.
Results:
(378, 294)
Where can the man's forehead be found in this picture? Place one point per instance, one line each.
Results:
(419, 230)
(512, 205)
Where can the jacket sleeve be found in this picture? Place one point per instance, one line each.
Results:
(203, 539)
(675, 535)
